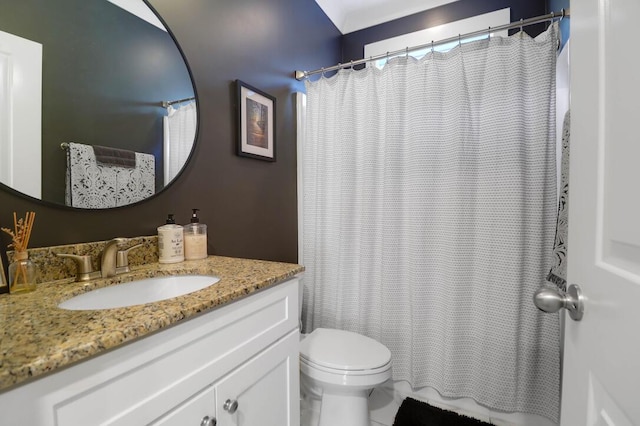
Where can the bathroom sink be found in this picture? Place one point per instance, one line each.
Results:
(139, 292)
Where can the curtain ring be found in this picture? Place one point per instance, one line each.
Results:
(352, 65)
(489, 30)
(459, 41)
(432, 47)
(407, 52)
(322, 72)
(563, 14)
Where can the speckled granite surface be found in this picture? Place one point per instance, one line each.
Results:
(37, 337)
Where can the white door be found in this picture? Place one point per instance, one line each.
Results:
(264, 391)
(20, 114)
(601, 382)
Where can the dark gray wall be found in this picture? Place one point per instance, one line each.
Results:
(104, 75)
(249, 205)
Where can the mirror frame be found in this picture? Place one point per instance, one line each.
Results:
(166, 186)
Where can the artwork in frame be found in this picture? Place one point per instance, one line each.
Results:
(256, 123)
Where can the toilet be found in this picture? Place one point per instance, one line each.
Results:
(338, 369)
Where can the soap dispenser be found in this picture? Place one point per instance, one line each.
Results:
(195, 238)
(170, 242)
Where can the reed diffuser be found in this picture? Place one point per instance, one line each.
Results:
(22, 271)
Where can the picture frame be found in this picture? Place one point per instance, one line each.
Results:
(256, 123)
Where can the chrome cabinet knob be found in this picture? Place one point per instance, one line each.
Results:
(550, 299)
(230, 406)
(208, 421)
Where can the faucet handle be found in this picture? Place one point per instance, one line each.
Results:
(122, 259)
(84, 266)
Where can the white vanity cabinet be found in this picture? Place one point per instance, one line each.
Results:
(256, 393)
(237, 364)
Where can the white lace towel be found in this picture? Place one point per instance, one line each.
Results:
(91, 185)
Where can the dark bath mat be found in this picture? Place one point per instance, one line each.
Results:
(417, 413)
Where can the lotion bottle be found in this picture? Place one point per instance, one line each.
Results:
(195, 238)
(170, 242)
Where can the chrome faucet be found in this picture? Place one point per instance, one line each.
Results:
(108, 258)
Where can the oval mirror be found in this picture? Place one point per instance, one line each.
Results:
(97, 105)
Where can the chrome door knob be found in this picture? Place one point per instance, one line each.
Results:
(230, 406)
(208, 421)
(551, 299)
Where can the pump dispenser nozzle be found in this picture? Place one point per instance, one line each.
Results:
(194, 216)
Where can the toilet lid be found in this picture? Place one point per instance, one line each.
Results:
(343, 350)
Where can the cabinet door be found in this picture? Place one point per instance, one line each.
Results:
(265, 390)
(193, 411)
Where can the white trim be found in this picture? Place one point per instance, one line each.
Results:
(354, 15)
(440, 32)
(301, 115)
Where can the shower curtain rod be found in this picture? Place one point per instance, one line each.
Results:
(301, 75)
(166, 104)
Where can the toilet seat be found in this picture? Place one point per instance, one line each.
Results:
(372, 371)
(343, 352)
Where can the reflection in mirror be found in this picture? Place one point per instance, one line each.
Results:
(101, 76)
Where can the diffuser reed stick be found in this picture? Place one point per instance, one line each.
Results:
(20, 240)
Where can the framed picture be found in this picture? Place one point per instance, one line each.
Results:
(256, 123)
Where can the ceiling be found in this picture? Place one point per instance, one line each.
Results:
(141, 10)
(354, 15)
(346, 15)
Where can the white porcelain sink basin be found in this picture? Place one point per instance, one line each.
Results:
(139, 292)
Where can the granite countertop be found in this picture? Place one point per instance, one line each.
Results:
(37, 337)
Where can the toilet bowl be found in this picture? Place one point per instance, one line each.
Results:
(337, 370)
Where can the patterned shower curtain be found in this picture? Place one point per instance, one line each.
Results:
(429, 215)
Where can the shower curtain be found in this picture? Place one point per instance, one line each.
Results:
(429, 198)
(179, 128)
